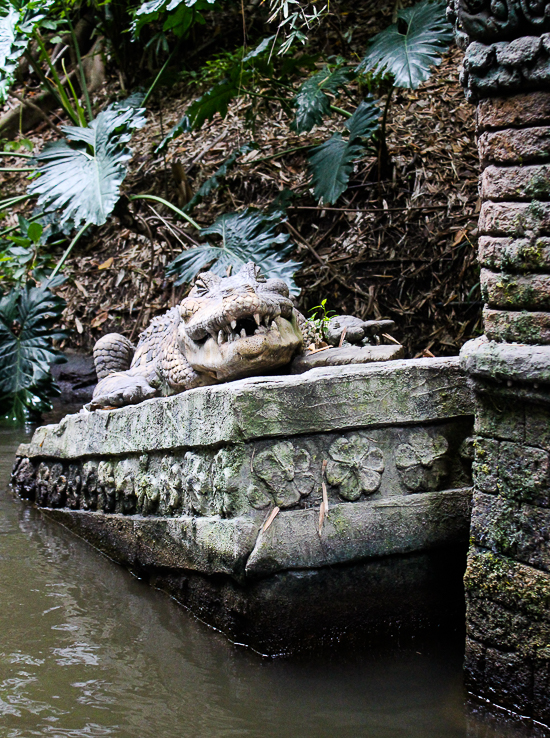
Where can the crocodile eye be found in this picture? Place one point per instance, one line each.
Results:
(277, 285)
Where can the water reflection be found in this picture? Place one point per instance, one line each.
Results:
(88, 650)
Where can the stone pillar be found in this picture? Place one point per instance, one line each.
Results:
(507, 73)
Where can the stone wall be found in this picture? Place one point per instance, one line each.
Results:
(251, 480)
(507, 72)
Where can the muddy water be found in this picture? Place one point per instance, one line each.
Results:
(87, 650)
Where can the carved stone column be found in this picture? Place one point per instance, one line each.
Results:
(507, 73)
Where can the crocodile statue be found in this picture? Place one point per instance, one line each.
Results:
(226, 328)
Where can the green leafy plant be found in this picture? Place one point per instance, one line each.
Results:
(406, 52)
(294, 20)
(312, 103)
(320, 318)
(28, 317)
(22, 253)
(331, 163)
(410, 48)
(178, 16)
(18, 22)
(244, 75)
(80, 176)
(247, 236)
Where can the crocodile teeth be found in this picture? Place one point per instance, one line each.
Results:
(221, 338)
(257, 318)
(260, 330)
(214, 335)
(233, 324)
(230, 337)
(266, 320)
(243, 333)
(274, 326)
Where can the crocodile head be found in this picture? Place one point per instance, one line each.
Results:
(236, 326)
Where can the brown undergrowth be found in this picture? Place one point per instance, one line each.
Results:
(402, 248)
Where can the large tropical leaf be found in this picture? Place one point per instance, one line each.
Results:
(28, 317)
(409, 48)
(180, 15)
(331, 163)
(17, 22)
(80, 177)
(247, 236)
(311, 103)
(215, 100)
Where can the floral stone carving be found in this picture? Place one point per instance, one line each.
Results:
(422, 461)
(355, 467)
(286, 474)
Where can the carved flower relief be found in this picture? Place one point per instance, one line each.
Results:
(285, 472)
(355, 467)
(422, 461)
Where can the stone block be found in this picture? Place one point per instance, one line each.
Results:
(361, 530)
(485, 466)
(515, 292)
(209, 545)
(515, 146)
(499, 420)
(517, 587)
(515, 219)
(525, 109)
(509, 680)
(519, 531)
(516, 183)
(523, 473)
(474, 664)
(530, 327)
(541, 689)
(498, 627)
(514, 254)
(537, 427)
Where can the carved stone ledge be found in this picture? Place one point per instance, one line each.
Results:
(526, 364)
(395, 476)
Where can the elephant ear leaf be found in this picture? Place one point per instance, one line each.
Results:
(247, 236)
(80, 176)
(409, 48)
(331, 163)
(27, 329)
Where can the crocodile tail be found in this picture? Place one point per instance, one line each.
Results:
(112, 353)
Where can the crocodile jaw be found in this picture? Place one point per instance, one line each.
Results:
(244, 356)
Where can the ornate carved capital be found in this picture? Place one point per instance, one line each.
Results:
(489, 21)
